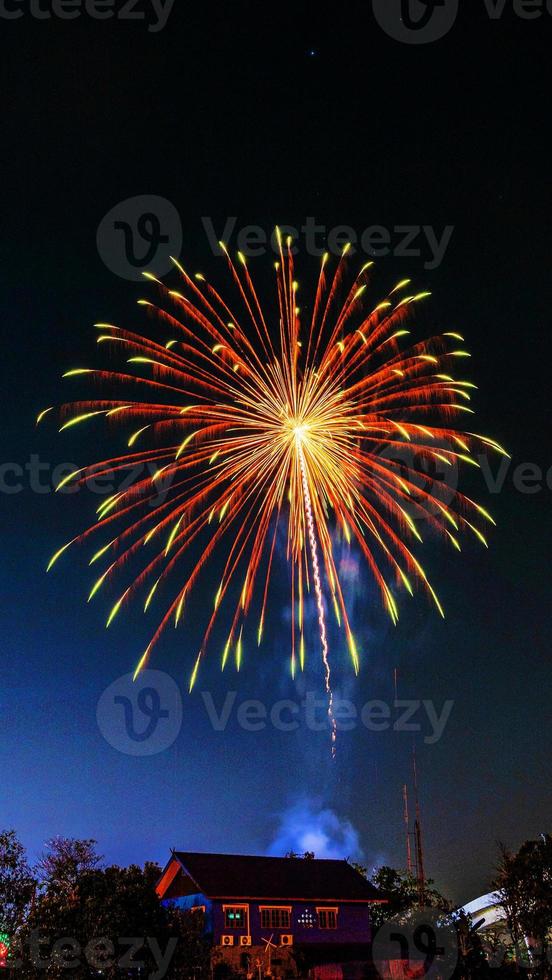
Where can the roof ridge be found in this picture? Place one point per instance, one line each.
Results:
(265, 857)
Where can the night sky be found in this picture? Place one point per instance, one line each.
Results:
(274, 113)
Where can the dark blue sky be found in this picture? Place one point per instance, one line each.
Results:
(226, 113)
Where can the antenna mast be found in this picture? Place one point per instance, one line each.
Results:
(418, 835)
(407, 830)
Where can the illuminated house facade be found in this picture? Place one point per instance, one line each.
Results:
(268, 912)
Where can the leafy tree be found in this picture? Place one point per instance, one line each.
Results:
(472, 961)
(17, 883)
(401, 889)
(87, 918)
(360, 868)
(498, 947)
(192, 955)
(524, 883)
(65, 861)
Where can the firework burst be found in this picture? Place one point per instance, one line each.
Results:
(321, 425)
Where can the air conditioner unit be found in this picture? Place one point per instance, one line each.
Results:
(286, 939)
(227, 941)
(245, 940)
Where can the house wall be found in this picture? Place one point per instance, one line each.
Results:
(196, 901)
(353, 922)
(245, 961)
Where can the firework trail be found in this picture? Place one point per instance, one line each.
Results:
(251, 420)
(318, 590)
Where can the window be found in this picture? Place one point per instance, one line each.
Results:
(235, 916)
(327, 918)
(275, 917)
